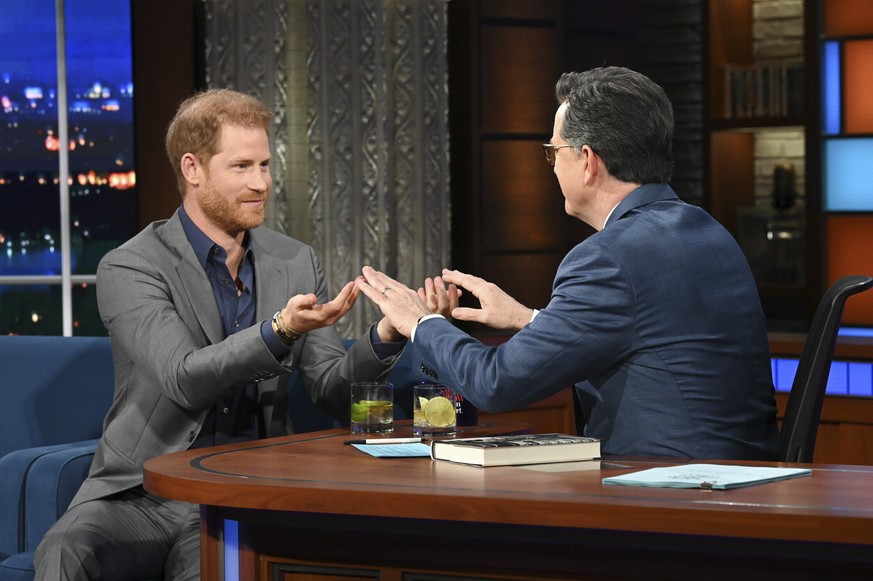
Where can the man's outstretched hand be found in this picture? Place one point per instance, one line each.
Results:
(498, 309)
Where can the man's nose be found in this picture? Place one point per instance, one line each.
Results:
(260, 181)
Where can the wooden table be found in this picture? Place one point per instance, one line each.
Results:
(309, 507)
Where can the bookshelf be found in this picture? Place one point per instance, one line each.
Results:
(756, 129)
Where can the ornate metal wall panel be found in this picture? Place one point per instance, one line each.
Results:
(363, 177)
(244, 49)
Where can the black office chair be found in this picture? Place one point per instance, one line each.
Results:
(800, 424)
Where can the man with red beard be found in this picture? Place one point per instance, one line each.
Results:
(208, 312)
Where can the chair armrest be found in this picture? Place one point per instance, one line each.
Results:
(17, 469)
(51, 484)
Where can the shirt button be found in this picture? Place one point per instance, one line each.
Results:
(236, 323)
(226, 410)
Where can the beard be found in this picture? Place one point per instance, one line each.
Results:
(230, 214)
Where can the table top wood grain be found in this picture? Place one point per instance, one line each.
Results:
(317, 473)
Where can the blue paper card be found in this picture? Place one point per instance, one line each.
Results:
(395, 450)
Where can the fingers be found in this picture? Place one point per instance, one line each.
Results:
(468, 314)
(369, 291)
(304, 313)
(401, 305)
(346, 297)
(380, 281)
(472, 283)
(454, 295)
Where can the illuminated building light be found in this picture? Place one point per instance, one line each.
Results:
(122, 181)
(111, 105)
(34, 317)
(52, 143)
(32, 93)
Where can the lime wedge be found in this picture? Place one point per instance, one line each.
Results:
(440, 412)
(359, 412)
(374, 403)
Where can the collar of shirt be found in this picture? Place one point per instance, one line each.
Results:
(605, 222)
(204, 247)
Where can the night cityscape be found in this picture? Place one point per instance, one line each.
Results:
(102, 177)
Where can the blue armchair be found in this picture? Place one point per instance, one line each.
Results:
(55, 392)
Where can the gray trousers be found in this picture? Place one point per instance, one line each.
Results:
(131, 535)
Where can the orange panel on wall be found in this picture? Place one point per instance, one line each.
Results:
(847, 17)
(523, 209)
(520, 67)
(857, 85)
(536, 9)
(850, 251)
(526, 277)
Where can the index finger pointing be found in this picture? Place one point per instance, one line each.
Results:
(468, 281)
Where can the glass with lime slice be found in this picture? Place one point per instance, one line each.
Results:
(372, 410)
(433, 410)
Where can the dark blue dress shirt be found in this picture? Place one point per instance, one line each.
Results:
(235, 417)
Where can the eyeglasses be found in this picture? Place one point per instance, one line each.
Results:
(551, 151)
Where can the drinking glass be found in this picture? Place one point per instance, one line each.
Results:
(433, 410)
(372, 407)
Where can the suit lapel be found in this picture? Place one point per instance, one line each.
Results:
(193, 280)
(271, 279)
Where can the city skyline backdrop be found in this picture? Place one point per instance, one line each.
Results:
(102, 176)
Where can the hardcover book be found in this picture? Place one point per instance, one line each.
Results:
(516, 449)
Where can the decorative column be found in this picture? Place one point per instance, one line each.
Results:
(361, 136)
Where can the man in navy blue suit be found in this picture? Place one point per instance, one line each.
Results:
(655, 318)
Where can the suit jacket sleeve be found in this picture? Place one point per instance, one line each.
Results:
(585, 329)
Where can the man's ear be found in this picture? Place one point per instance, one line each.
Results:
(590, 163)
(191, 169)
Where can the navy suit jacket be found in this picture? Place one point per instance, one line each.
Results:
(656, 320)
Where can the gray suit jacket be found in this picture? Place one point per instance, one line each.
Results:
(172, 362)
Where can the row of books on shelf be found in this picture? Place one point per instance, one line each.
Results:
(763, 90)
